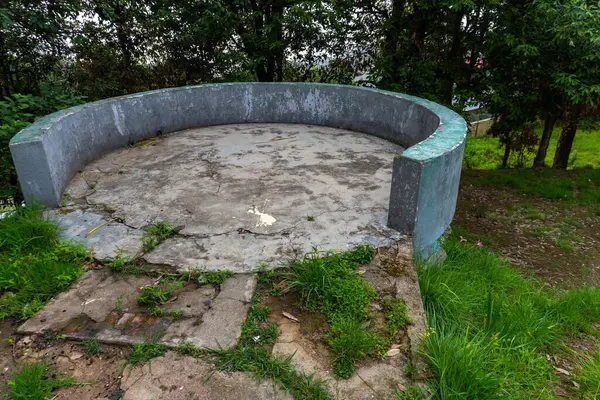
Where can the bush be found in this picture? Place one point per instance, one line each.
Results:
(16, 113)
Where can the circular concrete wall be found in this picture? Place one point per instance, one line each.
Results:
(48, 153)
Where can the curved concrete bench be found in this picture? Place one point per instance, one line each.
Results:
(425, 179)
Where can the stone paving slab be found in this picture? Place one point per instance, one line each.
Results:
(177, 377)
(108, 241)
(104, 305)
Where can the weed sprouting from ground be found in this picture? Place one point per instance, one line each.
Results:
(156, 234)
(396, 316)
(211, 277)
(34, 264)
(157, 294)
(490, 328)
(331, 285)
(144, 352)
(92, 347)
(34, 381)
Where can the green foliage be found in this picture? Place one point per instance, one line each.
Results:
(490, 328)
(156, 234)
(156, 294)
(211, 277)
(396, 317)
(588, 377)
(350, 340)
(486, 152)
(34, 264)
(331, 285)
(16, 113)
(35, 382)
(176, 315)
(92, 347)
(143, 353)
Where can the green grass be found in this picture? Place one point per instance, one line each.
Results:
(396, 316)
(156, 234)
(331, 285)
(485, 152)
(211, 277)
(36, 382)
(588, 377)
(144, 352)
(159, 292)
(92, 347)
(579, 186)
(490, 328)
(34, 264)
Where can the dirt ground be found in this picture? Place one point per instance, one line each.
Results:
(557, 243)
(99, 376)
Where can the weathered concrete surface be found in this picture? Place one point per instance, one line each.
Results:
(104, 305)
(49, 153)
(244, 193)
(221, 325)
(177, 377)
(109, 240)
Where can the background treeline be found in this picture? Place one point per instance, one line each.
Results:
(525, 61)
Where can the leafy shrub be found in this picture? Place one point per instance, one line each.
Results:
(16, 113)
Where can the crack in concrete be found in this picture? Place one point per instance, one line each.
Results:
(369, 386)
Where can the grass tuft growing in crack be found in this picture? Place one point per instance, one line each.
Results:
(331, 285)
(156, 234)
(210, 277)
(34, 264)
(144, 352)
(92, 347)
(36, 381)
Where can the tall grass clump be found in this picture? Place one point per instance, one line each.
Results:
(34, 264)
(490, 328)
(331, 285)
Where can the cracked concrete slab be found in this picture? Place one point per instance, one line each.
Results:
(178, 377)
(247, 194)
(104, 305)
(110, 239)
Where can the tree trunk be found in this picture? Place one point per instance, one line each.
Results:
(567, 135)
(506, 154)
(545, 141)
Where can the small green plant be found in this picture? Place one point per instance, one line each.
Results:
(396, 317)
(119, 303)
(176, 315)
(565, 245)
(143, 353)
(158, 293)
(350, 340)
(156, 234)
(255, 329)
(212, 277)
(92, 347)
(157, 311)
(310, 218)
(35, 381)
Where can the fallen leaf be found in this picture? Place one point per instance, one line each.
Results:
(290, 316)
(562, 371)
(395, 346)
(393, 352)
(402, 387)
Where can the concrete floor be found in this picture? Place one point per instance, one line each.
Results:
(246, 194)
